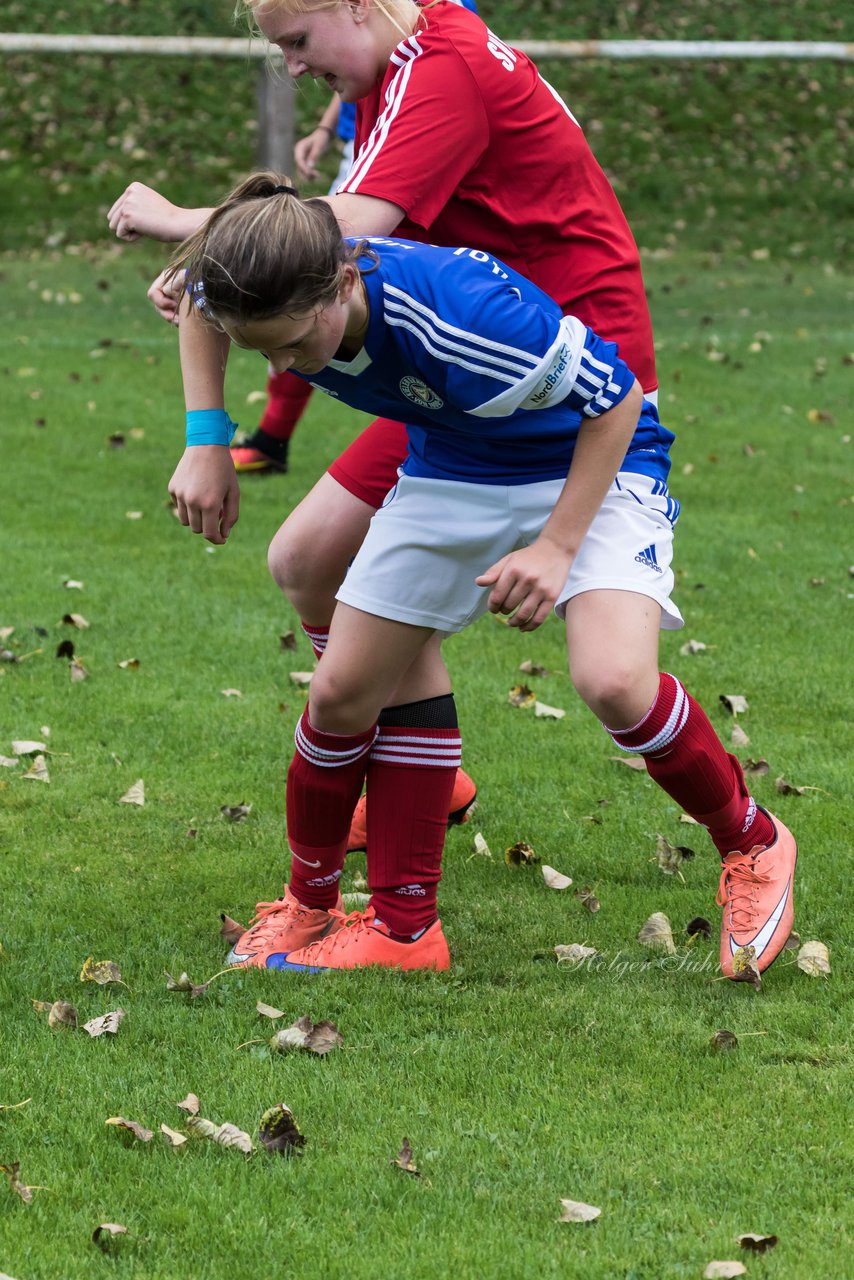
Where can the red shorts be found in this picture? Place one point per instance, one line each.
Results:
(368, 467)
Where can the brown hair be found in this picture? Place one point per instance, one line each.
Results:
(264, 251)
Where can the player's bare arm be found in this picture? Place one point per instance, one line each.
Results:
(527, 582)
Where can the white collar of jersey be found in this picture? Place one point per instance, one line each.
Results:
(355, 366)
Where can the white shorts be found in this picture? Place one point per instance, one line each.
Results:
(432, 538)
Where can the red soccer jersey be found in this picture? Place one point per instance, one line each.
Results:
(478, 150)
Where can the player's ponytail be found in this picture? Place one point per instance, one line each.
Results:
(262, 252)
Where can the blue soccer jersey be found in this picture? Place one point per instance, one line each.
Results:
(492, 381)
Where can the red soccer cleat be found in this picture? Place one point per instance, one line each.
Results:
(463, 800)
(279, 927)
(756, 895)
(361, 941)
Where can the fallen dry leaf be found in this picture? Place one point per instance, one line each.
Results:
(755, 768)
(27, 747)
(756, 1243)
(532, 668)
(227, 1135)
(72, 584)
(317, 1037)
(77, 671)
(267, 1010)
(577, 1211)
(193, 989)
(135, 794)
(37, 771)
(787, 789)
(813, 958)
(686, 818)
(721, 1270)
(287, 641)
(172, 1136)
(75, 620)
(107, 1023)
(231, 693)
(544, 712)
(574, 953)
(65, 649)
(724, 1041)
(555, 879)
(278, 1131)
(793, 942)
(699, 927)
(738, 737)
(692, 647)
(521, 696)
(745, 969)
(231, 931)
(355, 901)
(131, 1126)
(735, 703)
(520, 855)
(235, 812)
(59, 1013)
(671, 856)
(404, 1160)
(588, 899)
(103, 972)
(481, 848)
(190, 1104)
(631, 762)
(12, 1172)
(106, 1231)
(129, 664)
(300, 678)
(656, 932)
(9, 762)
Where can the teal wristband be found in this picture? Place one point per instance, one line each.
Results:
(209, 426)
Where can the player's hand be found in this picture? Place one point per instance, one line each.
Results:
(166, 295)
(308, 151)
(205, 490)
(527, 582)
(142, 211)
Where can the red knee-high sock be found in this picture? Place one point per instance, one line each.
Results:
(410, 778)
(318, 637)
(685, 757)
(287, 397)
(324, 782)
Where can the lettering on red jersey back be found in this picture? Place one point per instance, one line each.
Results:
(501, 51)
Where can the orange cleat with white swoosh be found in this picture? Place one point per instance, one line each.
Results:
(756, 895)
(280, 927)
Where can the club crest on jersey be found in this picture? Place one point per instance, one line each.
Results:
(419, 393)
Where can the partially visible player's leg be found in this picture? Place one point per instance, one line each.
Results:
(612, 637)
(266, 449)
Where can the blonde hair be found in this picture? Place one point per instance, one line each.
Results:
(264, 252)
(402, 14)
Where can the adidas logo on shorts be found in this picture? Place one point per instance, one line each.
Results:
(648, 557)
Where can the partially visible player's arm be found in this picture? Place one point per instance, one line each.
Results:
(529, 581)
(204, 485)
(365, 215)
(142, 211)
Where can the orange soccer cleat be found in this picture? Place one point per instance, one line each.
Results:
(280, 927)
(463, 799)
(756, 895)
(362, 940)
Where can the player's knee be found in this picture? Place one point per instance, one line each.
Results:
(337, 704)
(610, 691)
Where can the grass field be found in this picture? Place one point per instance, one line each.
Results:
(518, 1081)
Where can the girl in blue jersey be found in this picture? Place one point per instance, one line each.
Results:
(535, 479)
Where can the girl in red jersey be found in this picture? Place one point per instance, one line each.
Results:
(459, 141)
